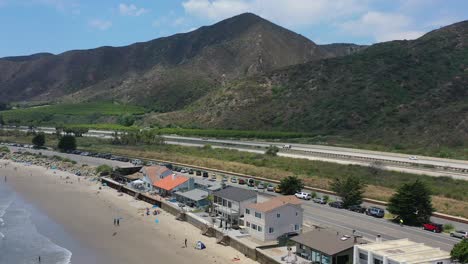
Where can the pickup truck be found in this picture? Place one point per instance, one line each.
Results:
(303, 195)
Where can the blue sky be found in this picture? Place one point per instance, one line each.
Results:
(31, 26)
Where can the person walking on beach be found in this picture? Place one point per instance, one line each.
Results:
(115, 221)
(185, 242)
(118, 221)
(39, 259)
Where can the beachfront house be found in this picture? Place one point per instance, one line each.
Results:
(230, 202)
(326, 247)
(173, 183)
(152, 174)
(273, 218)
(207, 185)
(194, 198)
(398, 252)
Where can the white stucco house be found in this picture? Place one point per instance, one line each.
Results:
(152, 174)
(270, 219)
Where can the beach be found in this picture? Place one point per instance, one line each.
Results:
(86, 213)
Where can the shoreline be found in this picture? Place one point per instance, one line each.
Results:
(87, 213)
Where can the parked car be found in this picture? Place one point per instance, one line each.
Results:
(336, 204)
(213, 177)
(260, 186)
(190, 171)
(205, 174)
(303, 195)
(241, 181)
(198, 173)
(412, 158)
(251, 182)
(459, 234)
(433, 227)
(319, 200)
(183, 171)
(234, 180)
(270, 188)
(375, 212)
(357, 208)
(277, 189)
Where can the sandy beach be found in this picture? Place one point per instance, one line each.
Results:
(87, 213)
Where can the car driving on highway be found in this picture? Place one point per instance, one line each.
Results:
(303, 195)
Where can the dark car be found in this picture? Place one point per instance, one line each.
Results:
(357, 208)
(319, 200)
(433, 227)
(336, 204)
(375, 212)
(205, 174)
(190, 171)
(241, 181)
(198, 173)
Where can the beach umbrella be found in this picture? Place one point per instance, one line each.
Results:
(156, 221)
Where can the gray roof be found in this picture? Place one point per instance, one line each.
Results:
(235, 194)
(195, 194)
(326, 241)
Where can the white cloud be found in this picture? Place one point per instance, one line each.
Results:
(131, 10)
(290, 12)
(100, 24)
(382, 26)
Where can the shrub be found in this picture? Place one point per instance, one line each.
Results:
(104, 169)
(67, 143)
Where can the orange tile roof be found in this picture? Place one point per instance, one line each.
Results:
(154, 172)
(275, 203)
(170, 182)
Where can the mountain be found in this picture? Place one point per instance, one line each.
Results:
(399, 92)
(342, 49)
(164, 74)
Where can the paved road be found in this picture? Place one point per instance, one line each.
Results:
(325, 216)
(391, 161)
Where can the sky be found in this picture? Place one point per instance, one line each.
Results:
(55, 26)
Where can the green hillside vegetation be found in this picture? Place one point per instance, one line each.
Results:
(401, 94)
(68, 113)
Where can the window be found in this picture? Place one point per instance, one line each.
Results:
(224, 202)
(296, 227)
(259, 229)
(254, 226)
(229, 204)
(377, 261)
(247, 224)
(278, 215)
(325, 259)
(247, 211)
(271, 230)
(362, 256)
(258, 215)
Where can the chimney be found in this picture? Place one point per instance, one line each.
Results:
(378, 239)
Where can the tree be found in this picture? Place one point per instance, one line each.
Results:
(412, 203)
(126, 120)
(2, 122)
(460, 251)
(350, 189)
(272, 151)
(67, 143)
(104, 169)
(39, 140)
(290, 185)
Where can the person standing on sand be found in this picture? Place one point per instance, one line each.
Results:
(118, 221)
(185, 242)
(39, 259)
(115, 221)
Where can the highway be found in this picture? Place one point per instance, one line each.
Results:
(322, 215)
(430, 166)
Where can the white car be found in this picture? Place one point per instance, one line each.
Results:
(413, 158)
(303, 195)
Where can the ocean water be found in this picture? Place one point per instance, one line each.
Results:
(26, 233)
